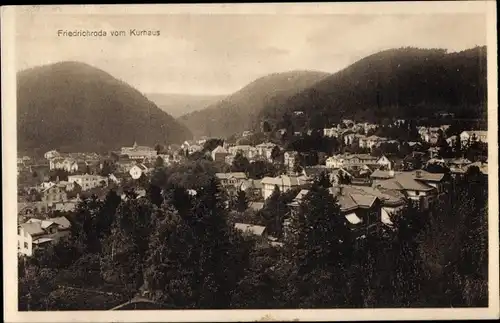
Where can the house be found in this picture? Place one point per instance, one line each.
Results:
(419, 186)
(283, 182)
(234, 180)
(51, 154)
(251, 229)
(452, 140)
(36, 233)
(266, 150)
(349, 137)
(469, 136)
(290, 158)
(138, 152)
(373, 141)
(247, 133)
(385, 163)
(87, 181)
(54, 193)
(219, 154)
(253, 189)
(138, 170)
(194, 148)
(361, 207)
(331, 132)
(247, 151)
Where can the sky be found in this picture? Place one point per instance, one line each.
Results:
(219, 54)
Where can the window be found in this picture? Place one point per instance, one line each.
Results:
(26, 245)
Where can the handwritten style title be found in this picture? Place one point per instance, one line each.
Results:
(104, 33)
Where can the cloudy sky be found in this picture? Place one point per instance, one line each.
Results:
(219, 54)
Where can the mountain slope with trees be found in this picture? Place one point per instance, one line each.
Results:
(73, 106)
(238, 111)
(396, 83)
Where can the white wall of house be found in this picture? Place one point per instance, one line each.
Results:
(24, 243)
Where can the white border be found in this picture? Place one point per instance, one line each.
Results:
(9, 152)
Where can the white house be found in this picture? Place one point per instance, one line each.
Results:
(51, 154)
(289, 158)
(473, 135)
(331, 132)
(139, 152)
(231, 179)
(283, 182)
(385, 162)
(137, 171)
(266, 150)
(35, 233)
(87, 181)
(219, 154)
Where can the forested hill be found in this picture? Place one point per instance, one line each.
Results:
(406, 82)
(239, 111)
(73, 106)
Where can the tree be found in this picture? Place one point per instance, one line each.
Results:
(276, 154)
(266, 127)
(241, 202)
(158, 148)
(297, 164)
(317, 243)
(240, 163)
(159, 162)
(196, 261)
(323, 180)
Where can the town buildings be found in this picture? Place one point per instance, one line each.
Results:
(87, 181)
(138, 152)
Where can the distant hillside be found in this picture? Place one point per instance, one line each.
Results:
(239, 111)
(405, 83)
(179, 104)
(72, 106)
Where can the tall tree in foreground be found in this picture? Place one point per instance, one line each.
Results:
(317, 243)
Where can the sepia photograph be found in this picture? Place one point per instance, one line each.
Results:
(328, 161)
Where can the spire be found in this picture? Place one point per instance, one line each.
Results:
(135, 144)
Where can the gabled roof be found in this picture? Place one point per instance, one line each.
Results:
(285, 180)
(426, 176)
(250, 228)
(33, 228)
(219, 150)
(62, 221)
(405, 181)
(236, 175)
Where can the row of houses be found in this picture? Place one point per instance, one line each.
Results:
(227, 152)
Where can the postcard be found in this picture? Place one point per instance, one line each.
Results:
(250, 162)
